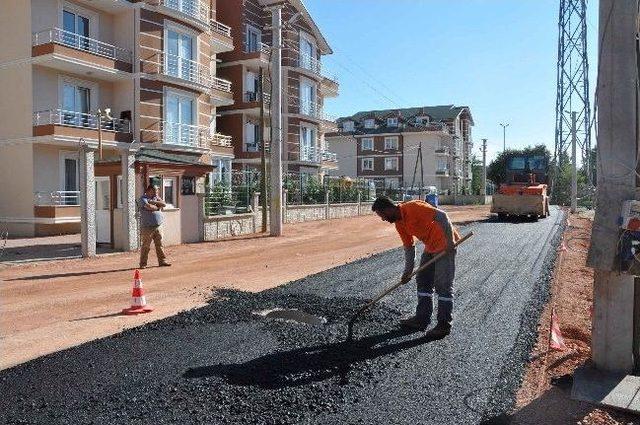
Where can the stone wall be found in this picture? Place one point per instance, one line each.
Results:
(464, 200)
(225, 226)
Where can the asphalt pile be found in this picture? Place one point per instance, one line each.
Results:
(223, 363)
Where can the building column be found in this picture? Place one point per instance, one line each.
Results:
(87, 201)
(129, 221)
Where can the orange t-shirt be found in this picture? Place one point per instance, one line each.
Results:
(418, 219)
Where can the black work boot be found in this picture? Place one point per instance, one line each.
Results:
(414, 322)
(441, 330)
(423, 315)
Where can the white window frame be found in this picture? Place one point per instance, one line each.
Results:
(423, 119)
(313, 132)
(395, 185)
(249, 28)
(171, 203)
(368, 140)
(349, 124)
(119, 191)
(390, 168)
(255, 78)
(314, 100)
(181, 29)
(391, 143)
(392, 122)
(370, 123)
(314, 47)
(180, 93)
(366, 160)
(94, 18)
(245, 140)
(93, 87)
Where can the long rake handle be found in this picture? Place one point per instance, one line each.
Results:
(416, 271)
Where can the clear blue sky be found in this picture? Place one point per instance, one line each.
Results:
(496, 56)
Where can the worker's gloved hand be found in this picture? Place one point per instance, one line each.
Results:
(406, 278)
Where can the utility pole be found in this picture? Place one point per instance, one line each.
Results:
(483, 189)
(275, 222)
(574, 166)
(263, 156)
(613, 292)
(504, 136)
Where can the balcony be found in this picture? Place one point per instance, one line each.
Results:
(442, 172)
(251, 96)
(73, 53)
(57, 198)
(186, 136)
(195, 12)
(257, 55)
(63, 125)
(442, 151)
(330, 86)
(221, 40)
(177, 70)
(221, 94)
(310, 154)
(57, 212)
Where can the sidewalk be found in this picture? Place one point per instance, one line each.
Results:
(52, 305)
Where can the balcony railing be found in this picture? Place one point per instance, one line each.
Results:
(179, 67)
(194, 136)
(222, 85)
(252, 96)
(329, 156)
(80, 42)
(260, 47)
(442, 150)
(79, 119)
(196, 9)
(57, 198)
(310, 63)
(220, 28)
(223, 140)
(442, 171)
(310, 154)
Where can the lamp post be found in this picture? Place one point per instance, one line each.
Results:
(504, 136)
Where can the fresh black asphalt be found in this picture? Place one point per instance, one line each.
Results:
(224, 364)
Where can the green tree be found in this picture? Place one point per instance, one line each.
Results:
(476, 175)
(497, 169)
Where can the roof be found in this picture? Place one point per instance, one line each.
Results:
(323, 45)
(156, 156)
(436, 113)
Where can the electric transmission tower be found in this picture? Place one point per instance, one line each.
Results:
(573, 82)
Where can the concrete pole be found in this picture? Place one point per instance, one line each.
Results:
(275, 220)
(613, 293)
(129, 222)
(263, 157)
(87, 202)
(483, 189)
(574, 165)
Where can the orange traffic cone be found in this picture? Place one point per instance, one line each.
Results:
(138, 301)
(556, 341)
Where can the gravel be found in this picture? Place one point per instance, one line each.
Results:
(225, 364)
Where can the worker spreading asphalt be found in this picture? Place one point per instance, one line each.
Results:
(237, 361)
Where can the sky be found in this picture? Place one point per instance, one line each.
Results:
(496, 56)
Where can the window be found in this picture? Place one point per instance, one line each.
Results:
(422, 120)
(369, 123)
(188, 185)
(442, 165)
(222, 173)
(180, 119)
(391, 163)
(251, 88)
(367, 164)
(169, 191)
(76, 29)
(367, 144)
(251, 137)
(180, 57)
(307, 98)
(392, 122)
(347, 126)
(307, 144)
(77, 99)
(391, 143)
(69, 178)
(253, 37)
(307, 53)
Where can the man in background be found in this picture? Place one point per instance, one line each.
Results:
(151, 218)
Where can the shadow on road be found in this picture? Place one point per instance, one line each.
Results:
(57, 275)
(309, 364)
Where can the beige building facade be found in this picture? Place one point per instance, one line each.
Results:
(384, 146)
(137, 78)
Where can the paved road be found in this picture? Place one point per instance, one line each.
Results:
(225, 364)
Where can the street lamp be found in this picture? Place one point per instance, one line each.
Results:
(504, 136)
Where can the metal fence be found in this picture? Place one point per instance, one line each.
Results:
(306, 189)
(231, 197)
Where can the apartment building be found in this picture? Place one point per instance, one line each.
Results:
(152, 64)
(384, 146)
(305, 86)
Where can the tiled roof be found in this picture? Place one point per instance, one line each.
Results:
(436, 113)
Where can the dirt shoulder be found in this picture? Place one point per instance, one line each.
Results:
(544, 396)
(54, 305)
